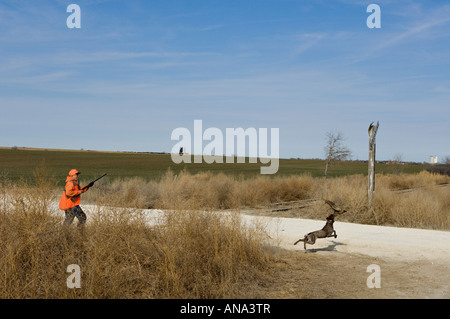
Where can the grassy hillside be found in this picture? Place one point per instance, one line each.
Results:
(20, 163)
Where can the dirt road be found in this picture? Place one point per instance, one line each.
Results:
(413, 263)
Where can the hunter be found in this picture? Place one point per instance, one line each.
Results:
(70, 199)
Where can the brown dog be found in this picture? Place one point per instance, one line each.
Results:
(326, 231)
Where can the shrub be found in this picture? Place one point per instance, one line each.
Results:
(185, 255)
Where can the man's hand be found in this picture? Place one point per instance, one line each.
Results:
(85, 188)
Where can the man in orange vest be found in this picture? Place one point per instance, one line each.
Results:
(70, 199)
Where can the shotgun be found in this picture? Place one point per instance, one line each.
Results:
(92, 183)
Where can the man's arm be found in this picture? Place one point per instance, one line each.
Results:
(70, 190)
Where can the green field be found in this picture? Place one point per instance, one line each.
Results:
(21, 163)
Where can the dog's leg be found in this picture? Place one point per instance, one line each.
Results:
(301, 239)
(312, 239)
(333, 234)
(309, 239)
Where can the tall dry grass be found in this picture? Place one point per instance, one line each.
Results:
(186, 254)
(204, 190)
(413, 200)
(405, 200)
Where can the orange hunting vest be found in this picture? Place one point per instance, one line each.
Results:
(70, 197)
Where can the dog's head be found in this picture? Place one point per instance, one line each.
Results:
(330, 219)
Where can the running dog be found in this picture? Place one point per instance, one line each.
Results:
(326, 231)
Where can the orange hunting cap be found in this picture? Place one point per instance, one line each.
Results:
(73, 172)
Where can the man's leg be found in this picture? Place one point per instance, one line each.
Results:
(69, 217)
(80, 215)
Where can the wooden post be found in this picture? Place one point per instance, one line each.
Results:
(372, 147)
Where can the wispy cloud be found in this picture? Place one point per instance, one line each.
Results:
(306, 41)
(105, 56)
(25, 64)
(418, 25)
(423, 28)
(208, 28)
(42, 79)
(442, 88)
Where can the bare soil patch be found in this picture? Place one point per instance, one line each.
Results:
(337, 275)
(413, 262)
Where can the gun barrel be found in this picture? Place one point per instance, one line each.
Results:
(98, 178)
(95, 180)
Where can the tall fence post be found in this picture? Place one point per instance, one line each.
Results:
(372, 147)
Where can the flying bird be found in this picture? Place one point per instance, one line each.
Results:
(336, 209)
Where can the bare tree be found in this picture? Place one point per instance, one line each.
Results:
(335, 150)
(446, 160)
(397, 167)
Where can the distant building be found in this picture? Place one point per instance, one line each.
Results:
(433, 159)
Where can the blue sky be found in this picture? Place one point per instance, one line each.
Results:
(137, 70)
